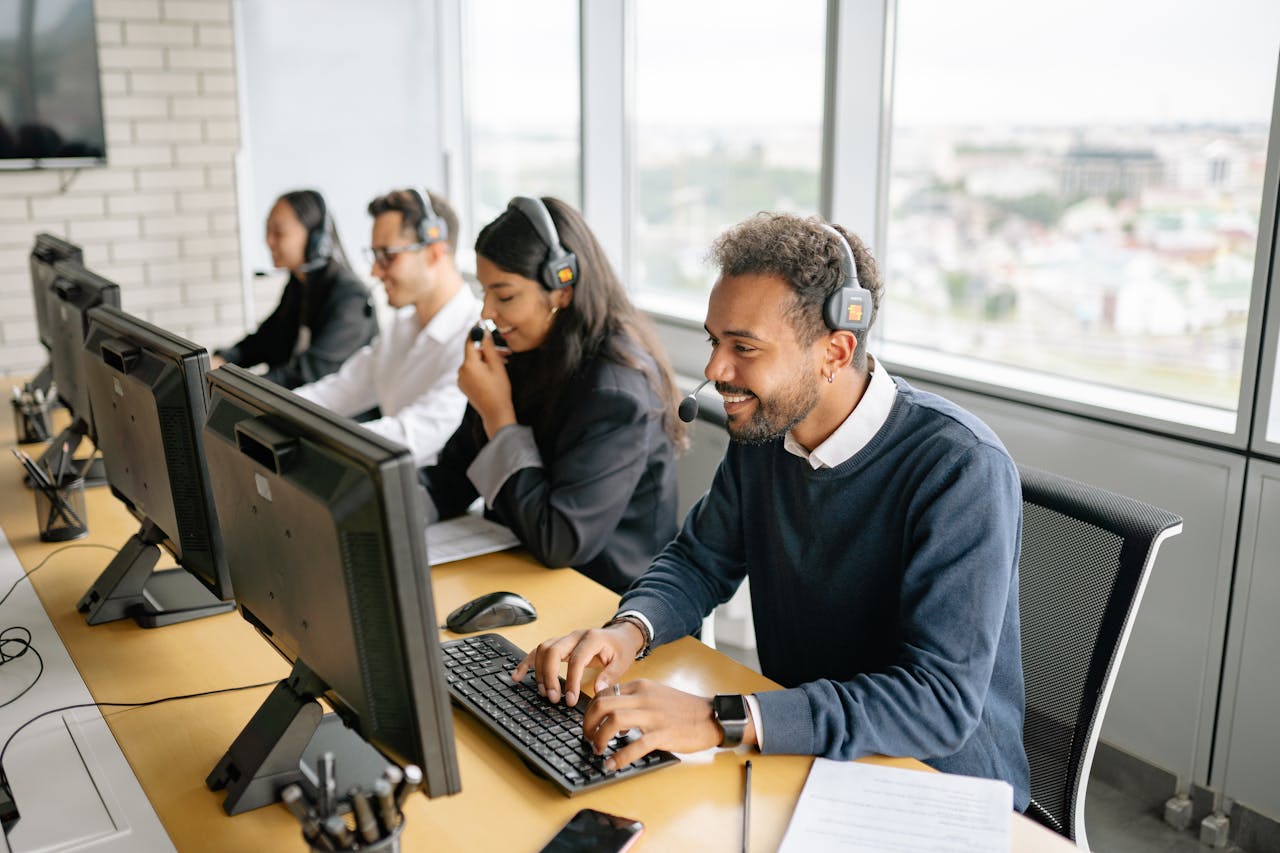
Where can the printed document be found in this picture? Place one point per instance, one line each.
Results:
(468, 535)
(851, 806)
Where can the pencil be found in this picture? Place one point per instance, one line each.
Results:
(746, 811)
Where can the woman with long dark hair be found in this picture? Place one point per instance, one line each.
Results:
(571, 437)
(324, 313)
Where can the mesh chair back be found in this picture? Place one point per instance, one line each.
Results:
(1086, 555)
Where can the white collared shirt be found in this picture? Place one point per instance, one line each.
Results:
(858, 429)
(410, 372)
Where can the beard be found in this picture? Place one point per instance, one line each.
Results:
(772, 418)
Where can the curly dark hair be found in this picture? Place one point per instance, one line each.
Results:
(807, 257)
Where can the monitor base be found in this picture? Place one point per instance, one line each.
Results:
(282, 744)
(43, 380)
(92, 469)
(131, 587)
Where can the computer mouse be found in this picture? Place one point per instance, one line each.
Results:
(491, 610)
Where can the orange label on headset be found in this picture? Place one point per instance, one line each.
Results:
(565, 275)
(855, 312)
(433, 232)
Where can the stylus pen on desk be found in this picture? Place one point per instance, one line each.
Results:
(746, 811)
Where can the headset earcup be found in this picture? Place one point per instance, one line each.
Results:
(848, 309)
(319, 243)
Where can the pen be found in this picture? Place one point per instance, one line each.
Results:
(394, 775)
(327, 795)
(746, 811)
(383, 793)
(336, 829)
(293, 799)
(62, 466)
(366, 822)
(412, 782)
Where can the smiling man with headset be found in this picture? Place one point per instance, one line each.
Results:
(324, 313)
(879, 526)
(409, 374)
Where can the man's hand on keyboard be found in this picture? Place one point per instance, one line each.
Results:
(612, 649)
(667, 719)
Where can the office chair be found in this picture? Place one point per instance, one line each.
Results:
(1086, 557)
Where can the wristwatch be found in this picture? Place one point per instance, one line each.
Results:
(730, 712)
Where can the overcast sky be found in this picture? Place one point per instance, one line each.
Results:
(722, 62)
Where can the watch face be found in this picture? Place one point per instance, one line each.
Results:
(730, 708)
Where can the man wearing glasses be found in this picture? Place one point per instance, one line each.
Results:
(410, 373)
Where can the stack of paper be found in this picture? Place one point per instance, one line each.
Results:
(850, 806)
(466, 536)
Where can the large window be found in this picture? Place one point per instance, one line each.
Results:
(522, 81)
(728, 105)
(1076, 187)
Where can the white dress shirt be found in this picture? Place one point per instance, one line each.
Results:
(410, 372)
(858, 429)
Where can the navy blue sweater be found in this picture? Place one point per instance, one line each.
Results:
(884, 590)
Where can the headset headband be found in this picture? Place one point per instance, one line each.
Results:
(849, 307)
(560, 269)
(432, 227)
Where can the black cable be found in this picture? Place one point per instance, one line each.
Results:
(24, 642)
(43, 714)
(25, 646)
(49, 557)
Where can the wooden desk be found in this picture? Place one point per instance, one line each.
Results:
(503, 806)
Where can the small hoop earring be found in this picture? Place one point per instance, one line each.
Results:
(554, 309)
(831, 377)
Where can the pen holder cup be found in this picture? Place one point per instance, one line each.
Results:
(390, 844)
(60, 512)
(31, 421)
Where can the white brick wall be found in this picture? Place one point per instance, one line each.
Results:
(160, 219)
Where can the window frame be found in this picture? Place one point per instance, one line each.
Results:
(1127, 408)
(1266, 407)
(859, 66)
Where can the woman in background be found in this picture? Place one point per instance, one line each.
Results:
(324, 313)
(571, 437)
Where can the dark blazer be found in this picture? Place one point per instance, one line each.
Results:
(334, 304)
(604, 500)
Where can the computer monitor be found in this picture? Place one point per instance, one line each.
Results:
(73, 292)
(323, 525)
(147, 391)
(46, 252)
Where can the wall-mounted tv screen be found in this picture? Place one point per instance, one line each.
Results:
(50, 94)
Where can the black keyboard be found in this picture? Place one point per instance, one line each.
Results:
(548, 737)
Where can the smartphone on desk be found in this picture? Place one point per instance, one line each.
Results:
(590, 831)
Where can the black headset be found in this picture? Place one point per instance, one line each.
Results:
(319, 242)
(432, 227)
(560, 269)
(849, 307)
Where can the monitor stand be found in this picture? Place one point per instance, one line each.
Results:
(282, 744)
(130, 586)
(43, 380)
(93, 471)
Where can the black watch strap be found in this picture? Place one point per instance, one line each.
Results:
(730, 711)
